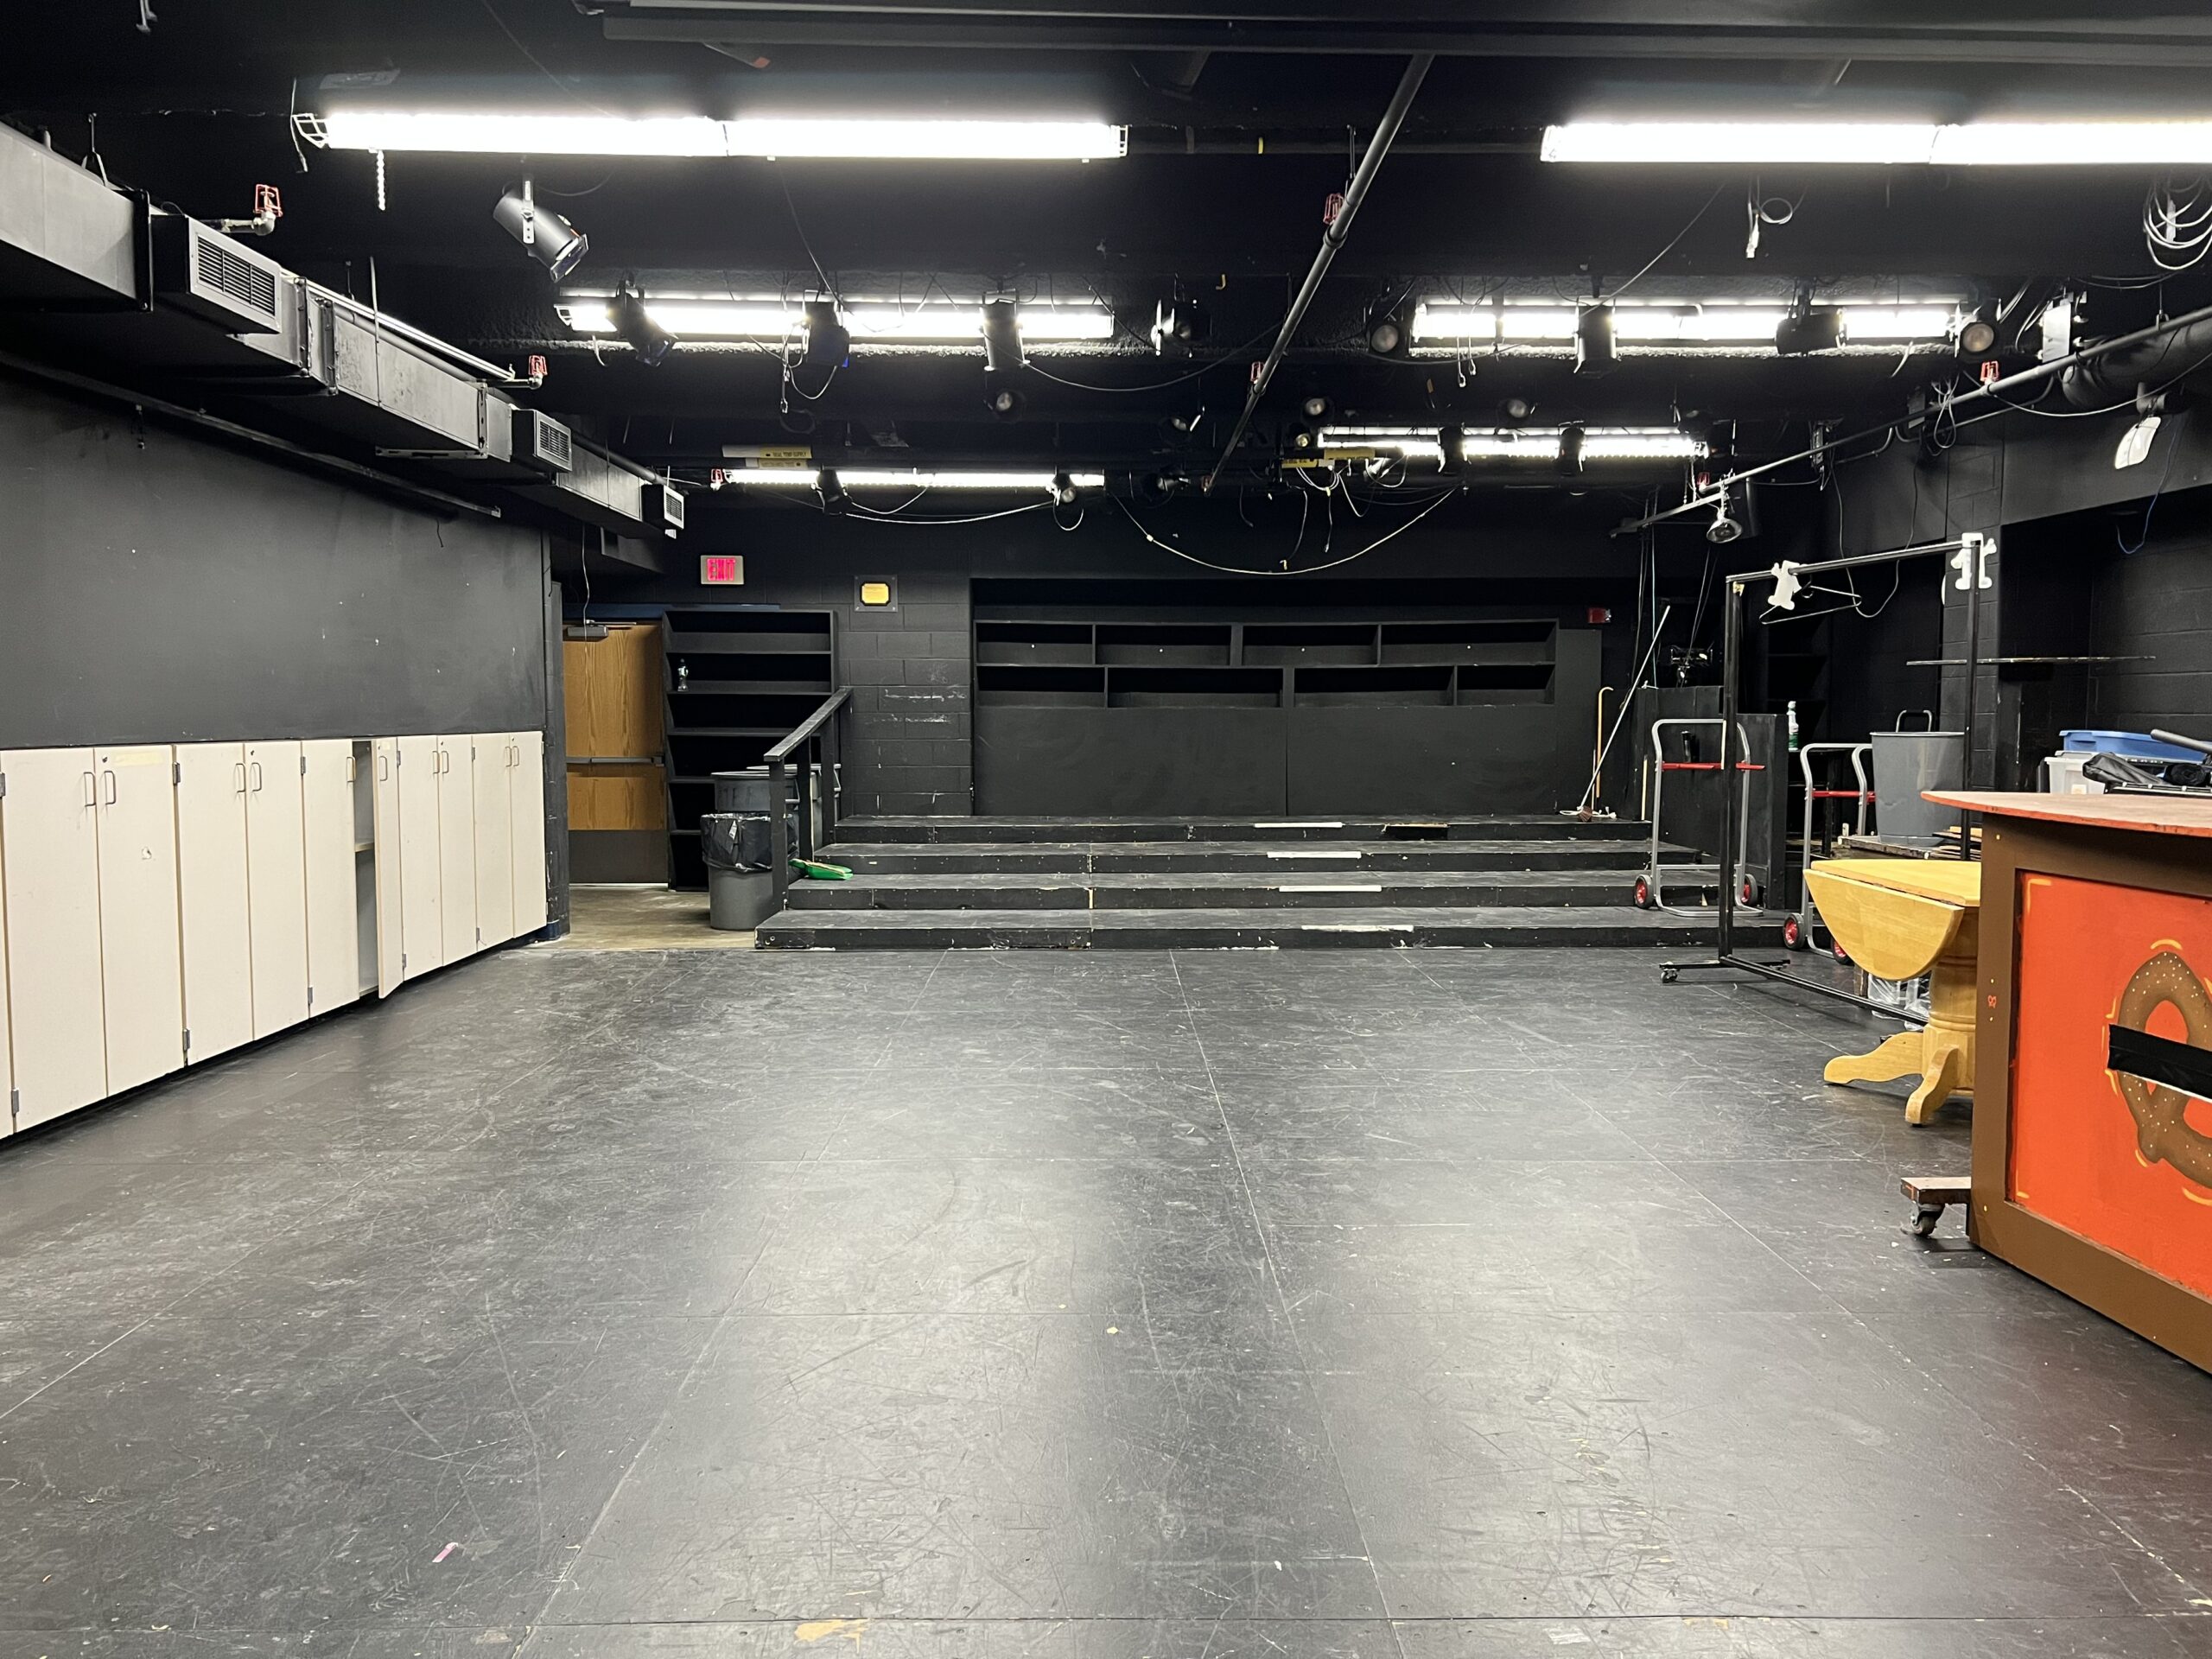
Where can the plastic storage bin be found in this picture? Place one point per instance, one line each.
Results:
(2129, 745)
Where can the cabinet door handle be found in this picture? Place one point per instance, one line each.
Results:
(111, 786)
(384, 766)
(92, 789)
(239, 767)
(256, 766)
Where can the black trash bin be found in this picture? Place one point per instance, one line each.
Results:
(741, 890)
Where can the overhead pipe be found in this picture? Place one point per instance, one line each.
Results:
(1332, 239)
(2115, 378)
(1716, 493)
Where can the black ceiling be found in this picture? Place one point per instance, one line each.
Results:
(1242, 120)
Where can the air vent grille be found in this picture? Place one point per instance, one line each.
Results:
(251, 285)
(553, 444)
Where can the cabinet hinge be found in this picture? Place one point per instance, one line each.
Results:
(176, 772)
(15, 1103)
(3, 785)
(403, 964)
(187, 1040)
(303, 765)
(310, 998)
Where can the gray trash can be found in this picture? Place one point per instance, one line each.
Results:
(1906, 763)
(740, 891)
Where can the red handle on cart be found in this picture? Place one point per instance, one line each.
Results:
(1708, 765)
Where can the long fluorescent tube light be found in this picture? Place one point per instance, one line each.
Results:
(867, 478)
(1518, 443)
(1885, 143)
(884, 321)
(481, 133)
(1658, 323)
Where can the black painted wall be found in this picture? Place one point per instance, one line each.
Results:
(909, 739)
(156, 587)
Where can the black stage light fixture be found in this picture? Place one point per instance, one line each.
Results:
(831, 489)
(829, 342)
(1977, 338)
(1064, 490)
(1570, 451)
(1452, 441)
(1594, 350)
(1724, 528)
(1002, 351)
(1514, 410)
(626, 311)
(550, 239)
(1387, 333)
(1809, 328)
(1177, 325)
(1003, 401)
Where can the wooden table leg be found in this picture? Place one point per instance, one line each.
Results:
(1942, 1055)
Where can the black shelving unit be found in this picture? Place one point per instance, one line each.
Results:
(736, 679)
(1269, 712)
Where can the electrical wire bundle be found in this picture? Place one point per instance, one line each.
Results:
(2178, 221)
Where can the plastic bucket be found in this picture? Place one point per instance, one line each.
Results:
(1906, 763)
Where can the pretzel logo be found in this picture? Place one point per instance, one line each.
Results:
(2147, 1067)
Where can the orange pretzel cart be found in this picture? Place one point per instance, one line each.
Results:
(2093, 1108)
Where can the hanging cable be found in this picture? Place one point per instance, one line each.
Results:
(2178, 221)
(1306, 571)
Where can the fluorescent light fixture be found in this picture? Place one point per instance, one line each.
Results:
(863, 478)
(1660, 323)
(1518, 443)
(491, 133)
(1885, 143)
(1739, 143)
(878, 321)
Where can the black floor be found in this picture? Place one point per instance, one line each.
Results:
(1220, 1305)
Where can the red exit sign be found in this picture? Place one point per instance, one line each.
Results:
(721, 570)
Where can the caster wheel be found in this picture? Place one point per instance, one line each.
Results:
(1668, 976)
(1643, 893)
(1749, 893)
(1923, 1224)
(1838, 952)
(1792, 935)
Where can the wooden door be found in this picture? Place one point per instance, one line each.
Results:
(333, 921)
(211, 908)
(421, 930)
(390, 889)
(526, 809)
(142, 971)
(494, 834)
(457, 845)
(49, 824)
(276, 886)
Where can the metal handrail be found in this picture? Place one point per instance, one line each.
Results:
(815, 741)
(810, 725)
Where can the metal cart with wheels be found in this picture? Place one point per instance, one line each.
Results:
(1798, 925)
(1659, 875)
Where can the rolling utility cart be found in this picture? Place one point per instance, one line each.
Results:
(1797, 926)
(1659, 875)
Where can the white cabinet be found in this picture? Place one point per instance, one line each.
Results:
(422, 939)
(212, 897)
(142, 974)
(527, 817)
(457, 845)
(390, 890)
(7, 1065)
(494, 834)
(276, 886)
(334, 920)
(50, 827)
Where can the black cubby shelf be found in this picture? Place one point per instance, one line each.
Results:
(736, 680)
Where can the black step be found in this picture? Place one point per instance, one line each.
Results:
(1156, 930)
(1289, 827)
(1327, 889)
(1074, 857)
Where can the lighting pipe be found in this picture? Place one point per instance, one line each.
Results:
(1332, 238)
(698, 319)
(1658, 322)
(2042, 371)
